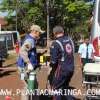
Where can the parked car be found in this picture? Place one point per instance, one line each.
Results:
(3, 50)
(7, 41)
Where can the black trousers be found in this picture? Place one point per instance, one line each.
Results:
(1, 63)
(85, 60)
(63, 83)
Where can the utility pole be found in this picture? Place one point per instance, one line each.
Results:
(16, 13)
(0, 27)
(47, 4)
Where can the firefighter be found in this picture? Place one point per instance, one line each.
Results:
(62, 62)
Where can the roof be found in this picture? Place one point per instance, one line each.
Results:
(3, 21)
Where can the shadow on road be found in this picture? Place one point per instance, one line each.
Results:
(13, 64)
(50, 98)
(6, 73)
(42, 97)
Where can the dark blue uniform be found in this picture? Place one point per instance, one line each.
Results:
(62, 63)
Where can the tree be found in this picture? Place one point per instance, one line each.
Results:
(72, 14)
(26, 12)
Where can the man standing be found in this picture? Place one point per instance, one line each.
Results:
(86, 52)
(28, 55)
(62, 61)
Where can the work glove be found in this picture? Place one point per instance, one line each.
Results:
(29, 67)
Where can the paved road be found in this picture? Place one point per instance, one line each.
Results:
(9, 78)
(76, 81)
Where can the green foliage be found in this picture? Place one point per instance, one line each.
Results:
(77, 11)
(72, 14)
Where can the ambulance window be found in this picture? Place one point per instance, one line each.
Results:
(99, 13)
(9, 41)
(15, 37)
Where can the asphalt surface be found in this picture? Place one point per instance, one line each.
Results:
(10, 79)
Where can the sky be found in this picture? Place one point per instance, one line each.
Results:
(0, 1)
(5, 13)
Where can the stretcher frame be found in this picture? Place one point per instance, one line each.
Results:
(90, 84)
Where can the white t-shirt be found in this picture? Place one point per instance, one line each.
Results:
(83, 50)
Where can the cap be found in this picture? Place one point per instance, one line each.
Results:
(36, 28)
(58, 29)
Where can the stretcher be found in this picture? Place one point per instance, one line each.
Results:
(91, 73)
(91, 79)
(92, 98)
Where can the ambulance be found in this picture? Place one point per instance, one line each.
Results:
(7, 42)
(95, 31)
